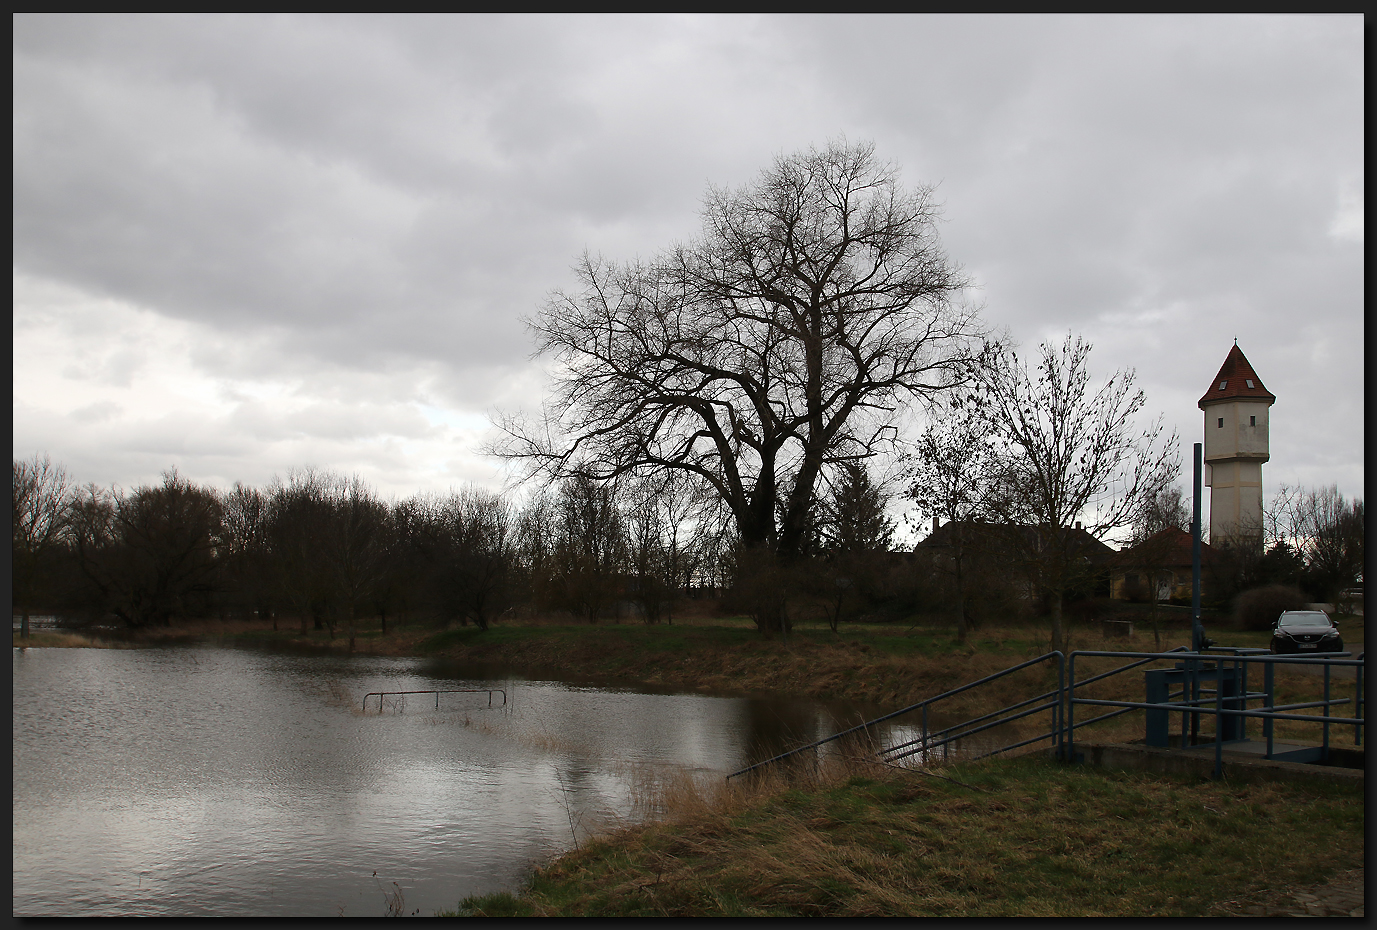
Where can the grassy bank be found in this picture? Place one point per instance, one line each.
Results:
(889, 665)
(886, 664)
(1015, 837)
(52, 639)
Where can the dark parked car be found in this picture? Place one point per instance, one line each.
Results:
(1305, 631)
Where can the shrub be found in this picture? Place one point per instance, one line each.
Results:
(1258, 608)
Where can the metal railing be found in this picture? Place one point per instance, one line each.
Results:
(1195, 702)
(947, 736)
(1198, 667)
(381, 694)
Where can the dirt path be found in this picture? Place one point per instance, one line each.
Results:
(1341, 896)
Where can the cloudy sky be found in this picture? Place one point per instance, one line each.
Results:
(248, 243)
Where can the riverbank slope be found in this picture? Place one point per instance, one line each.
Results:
(999, 838)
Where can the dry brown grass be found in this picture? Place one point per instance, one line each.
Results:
(1020, 837)
(47, 639)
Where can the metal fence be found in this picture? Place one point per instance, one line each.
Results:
(928, 741)
(381, 694)
(1210, 683)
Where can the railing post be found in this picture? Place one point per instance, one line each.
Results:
(1057, 719)
(1241, 682)
(1071, 708)
(1358, 700)
(1268, 686)
(1218, 719)
(1324, 753)
(1185, 702)
(1196, 668)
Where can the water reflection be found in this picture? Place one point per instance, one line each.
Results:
(201, 780)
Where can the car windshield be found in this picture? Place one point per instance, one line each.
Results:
(1304, 620)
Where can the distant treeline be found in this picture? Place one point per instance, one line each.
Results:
(325, 550)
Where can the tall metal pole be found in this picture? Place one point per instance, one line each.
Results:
(1197, 633)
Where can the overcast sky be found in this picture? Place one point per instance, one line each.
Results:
(248, 243)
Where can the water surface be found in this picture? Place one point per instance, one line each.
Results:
(219, 781)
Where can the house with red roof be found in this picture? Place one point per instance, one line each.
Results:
(1158, 568)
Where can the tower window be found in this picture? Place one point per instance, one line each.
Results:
(1250, 382)
(1223, 385)
(1221, 422)
(1252, 421)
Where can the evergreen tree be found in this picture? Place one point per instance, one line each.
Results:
(855, 520)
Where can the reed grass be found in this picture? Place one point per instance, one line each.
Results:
(47, 639)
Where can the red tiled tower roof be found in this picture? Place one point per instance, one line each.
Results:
(1236, 379)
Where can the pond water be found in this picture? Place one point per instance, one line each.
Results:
(219, 781)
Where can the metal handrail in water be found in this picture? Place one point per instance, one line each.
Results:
(488, 691)
(923, 706)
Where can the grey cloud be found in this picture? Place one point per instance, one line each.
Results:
(365, 206)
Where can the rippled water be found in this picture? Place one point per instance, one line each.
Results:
(217, 781)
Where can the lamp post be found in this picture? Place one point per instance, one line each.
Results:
(1197, 632)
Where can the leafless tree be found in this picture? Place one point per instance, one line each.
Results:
(150, 552)
(1069, 456)
(784, 341)
(666, 515)
(299, 523)
(478, 529)
(245, 551)
(354, 546)
(590, 547)
(952, 471)
(40, 495)
(1167, 509)
(1329, 533)
(651, 543)
(1153, 547)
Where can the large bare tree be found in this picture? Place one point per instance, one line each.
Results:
(1069, 456)
(784, 341)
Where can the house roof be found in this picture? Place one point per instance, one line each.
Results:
(1169, 548)
(1236, 380)
(1078, 541)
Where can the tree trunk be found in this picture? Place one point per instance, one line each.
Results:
(960, 591)
(24, 623)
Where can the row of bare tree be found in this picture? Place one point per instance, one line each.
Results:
(327, 550)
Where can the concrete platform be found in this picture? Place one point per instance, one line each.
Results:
(1241, 762)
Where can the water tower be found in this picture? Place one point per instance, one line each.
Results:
(1236, 445)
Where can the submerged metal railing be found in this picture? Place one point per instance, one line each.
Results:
(923, 706)
(488, 691)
